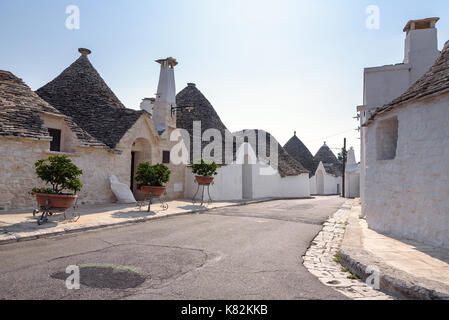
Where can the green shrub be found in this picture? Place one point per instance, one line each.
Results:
(60, 172)
(148, 175)
(204, 168)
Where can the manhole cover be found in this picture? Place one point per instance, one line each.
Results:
(106, 276)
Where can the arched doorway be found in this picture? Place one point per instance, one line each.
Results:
(140, 152)
(320, 182)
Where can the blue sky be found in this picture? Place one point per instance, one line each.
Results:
(281, 65)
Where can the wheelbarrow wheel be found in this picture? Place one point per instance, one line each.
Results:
(41, 221)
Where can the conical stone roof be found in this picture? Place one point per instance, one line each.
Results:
(330, 161)
(20, 108)
(325, 155)
(286, 165)
(203, 111)
(81, 93)
(301, 153)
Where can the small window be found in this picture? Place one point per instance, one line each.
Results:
(55, 144)
(387, 139)
(165, 156)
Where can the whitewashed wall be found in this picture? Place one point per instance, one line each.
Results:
(383, 84)
(276, 186)
(352, 184)
(312, 183)
(227, 184)
(330, 184)
(409, 196)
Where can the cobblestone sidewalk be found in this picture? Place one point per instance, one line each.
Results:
(322, 260)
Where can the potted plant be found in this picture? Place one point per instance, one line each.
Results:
(62, 175)
(204, 171)
(151, 178)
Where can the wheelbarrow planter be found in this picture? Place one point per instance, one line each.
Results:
(154, 191)
(55, 201)
(50, 204)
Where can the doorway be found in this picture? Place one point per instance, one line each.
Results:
(140, 152)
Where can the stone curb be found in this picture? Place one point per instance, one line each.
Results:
(89, 227)
(392, 281)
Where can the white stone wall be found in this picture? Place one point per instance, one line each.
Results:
(312, 183)
(383, 84)
(352, 184)
(331, 184)
(227, 184)
(275, 186)
(409, 196)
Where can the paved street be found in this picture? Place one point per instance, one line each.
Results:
(246, 252)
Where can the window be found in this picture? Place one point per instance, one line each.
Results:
(55, 144)
(387, 139)
(165, 156)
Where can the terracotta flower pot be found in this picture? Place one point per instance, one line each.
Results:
(56, 201)
(204, 180)
(155, 191)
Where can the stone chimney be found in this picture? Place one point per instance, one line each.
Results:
(147, 104)
(165, 96)
(350, 158)
(421, 46)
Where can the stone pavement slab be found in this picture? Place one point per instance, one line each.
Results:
(21, 225)
(321, 260)
(408, 269)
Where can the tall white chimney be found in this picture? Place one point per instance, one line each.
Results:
(165, 96)
(421, 46)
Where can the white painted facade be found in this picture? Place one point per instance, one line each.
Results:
(383, 84)
(250, 178)
(312, 185)
(323, 183)
(352, 176)
(227, 184)
(408, 196)
(265, 186)
(231, 180)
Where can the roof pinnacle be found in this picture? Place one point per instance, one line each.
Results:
(84, 51)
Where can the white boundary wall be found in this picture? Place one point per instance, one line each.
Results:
(227, 184)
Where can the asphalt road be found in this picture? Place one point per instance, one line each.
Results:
(246, 252)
